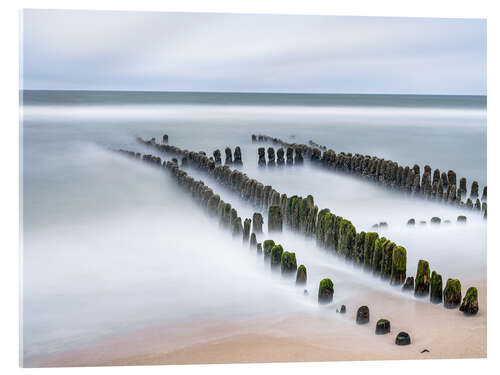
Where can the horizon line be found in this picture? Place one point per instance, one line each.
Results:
(248, 92)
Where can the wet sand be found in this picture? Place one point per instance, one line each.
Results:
(322, 335)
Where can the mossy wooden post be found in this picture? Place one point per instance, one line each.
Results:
(246, 229)
(270, 157)
(370, 239)
(213, 205)
(237, 227)
(346, 241)
(387, 251)
(262, 156)
(226, 221)
(484, 197)
(217, 157)
(280, 157)
(436, 288)
(422, 280)
(320, 226)
(470, 305)
(257, 223)
(474, 190)
(301, 276)
(259, 248)
(288, 263)
(359, 248)
(435, 220)
(463, 185)
(268, 245)
(165, 138)
(325, 292)
(233, 216)
(398, 269)
(452, 294)
(409, 285)
(253, 240)
(276, 253)
(229, 156)
(378, 254)
(275, 219)
(237, 156)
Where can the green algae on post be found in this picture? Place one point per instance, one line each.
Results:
(325, 292)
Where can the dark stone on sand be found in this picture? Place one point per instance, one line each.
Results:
(383, 326)
(462, 219)
(403, 338)
(411, 222)
(363, 315)
(342, 310)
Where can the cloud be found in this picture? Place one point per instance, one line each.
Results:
(230, 52)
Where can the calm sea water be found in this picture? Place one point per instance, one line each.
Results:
(111, 245)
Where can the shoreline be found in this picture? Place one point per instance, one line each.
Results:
(322, 335)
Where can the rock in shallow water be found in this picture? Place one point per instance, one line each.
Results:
(342, 310)
(403, 338)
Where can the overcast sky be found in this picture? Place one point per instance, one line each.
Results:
(95, 50)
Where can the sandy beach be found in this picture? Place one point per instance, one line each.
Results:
(322, 336)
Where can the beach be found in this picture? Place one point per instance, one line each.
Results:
(322, 336)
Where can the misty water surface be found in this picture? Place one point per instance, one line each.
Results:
(110, 244)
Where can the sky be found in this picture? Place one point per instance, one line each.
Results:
(155, 51)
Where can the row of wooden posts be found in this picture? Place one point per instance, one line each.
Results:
(380, 256)
(434, 185)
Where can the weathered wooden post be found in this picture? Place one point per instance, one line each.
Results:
(276, 253)
(229, 156)
(275, 219)
(270, 157)
(474, 190)
(398, 269)
(288, 264)
(436, 288)
(289, 156)
(301, 276)
(452, 294)
(325, 292)
(257, 223)
(237, 156)
(262, 156)
(280, 157)
(268, 245)
(470, 305)
(246, 229)
(422, 281)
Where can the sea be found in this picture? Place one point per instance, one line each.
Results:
(111, 245)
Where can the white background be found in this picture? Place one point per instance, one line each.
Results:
(9, 173)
